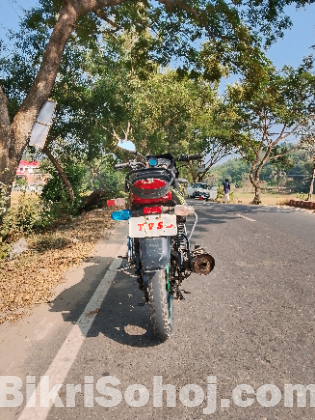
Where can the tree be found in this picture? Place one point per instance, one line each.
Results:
(268, 111)
(184, 23)
(308, 143)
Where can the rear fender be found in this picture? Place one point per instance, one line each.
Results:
(155, 253)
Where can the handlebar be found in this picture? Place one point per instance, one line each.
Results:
(121, 165)
(187, 158)
(181, 158)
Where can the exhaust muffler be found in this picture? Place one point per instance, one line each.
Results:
(200, 262)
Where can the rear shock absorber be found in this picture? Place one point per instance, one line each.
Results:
(181, 234)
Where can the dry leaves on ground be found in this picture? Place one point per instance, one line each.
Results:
(30, 278)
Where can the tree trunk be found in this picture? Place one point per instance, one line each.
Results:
(256, 184)
(310, 194)
(14, 136)
(257, 199)
(62, 174)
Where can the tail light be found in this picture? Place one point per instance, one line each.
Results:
(150, 184)
(152, 210)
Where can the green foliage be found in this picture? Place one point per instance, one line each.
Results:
(267, 110)
(54, 192)
(295, 173)
(301, 196)
(110, 86)
(21, 182)
(220, 191)
(236, 170)
(18, 222)
(100, 174)
(27, 213)
(4, 198)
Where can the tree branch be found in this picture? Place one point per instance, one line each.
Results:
(101, 14)
(5, 132)
(4, 113)
(45, 79)
(93, 5)
(61, 173)
(170, 4)
(4, 117)
(285, 153)
(281, 136)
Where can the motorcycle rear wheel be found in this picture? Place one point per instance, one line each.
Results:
(161, 304)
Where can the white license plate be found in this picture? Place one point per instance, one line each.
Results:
(153, 225)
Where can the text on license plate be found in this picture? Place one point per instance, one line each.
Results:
(153, 225)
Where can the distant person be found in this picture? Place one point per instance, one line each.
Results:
(226, 191)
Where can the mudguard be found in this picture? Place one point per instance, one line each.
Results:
(155, 253)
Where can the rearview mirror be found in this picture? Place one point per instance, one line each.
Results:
(127, 145)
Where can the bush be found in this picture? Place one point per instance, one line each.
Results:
(28, 213)
(55, 191)
(301, 196)
(220, 192)
(21, 182)
(4, 198)
(17, 222)
(55, 198)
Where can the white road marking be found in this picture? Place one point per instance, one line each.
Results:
(247, 218)
(60, 366)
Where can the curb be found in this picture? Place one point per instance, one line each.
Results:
(302, 204)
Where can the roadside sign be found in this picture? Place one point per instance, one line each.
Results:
(42, 125)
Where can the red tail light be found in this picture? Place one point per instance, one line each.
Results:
(148, 185)
(152, 210)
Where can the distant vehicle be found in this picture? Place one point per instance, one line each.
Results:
(201, 195)
(202, 187)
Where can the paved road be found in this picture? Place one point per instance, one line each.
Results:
(250, 322)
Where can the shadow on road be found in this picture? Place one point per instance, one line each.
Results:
(123, 316)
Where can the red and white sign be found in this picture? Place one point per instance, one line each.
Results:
(152, 226)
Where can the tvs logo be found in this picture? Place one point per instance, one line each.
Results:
(152, 226)
(160, 225)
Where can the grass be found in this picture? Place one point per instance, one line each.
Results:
(267, 199)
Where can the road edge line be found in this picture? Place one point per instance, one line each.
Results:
(61, 365)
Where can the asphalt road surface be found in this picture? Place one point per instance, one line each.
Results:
(243, 335)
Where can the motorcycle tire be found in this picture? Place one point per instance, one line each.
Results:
(160, 304)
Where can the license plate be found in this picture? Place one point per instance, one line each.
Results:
(153, 225)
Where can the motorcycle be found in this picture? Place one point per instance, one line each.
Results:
(159, 246)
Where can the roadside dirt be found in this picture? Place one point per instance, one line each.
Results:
(30, 279)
